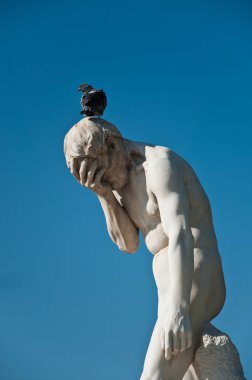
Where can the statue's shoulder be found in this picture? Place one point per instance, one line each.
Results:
(155, 154)
(162, 164)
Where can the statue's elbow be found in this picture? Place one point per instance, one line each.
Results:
(132, 249)
(130, 246)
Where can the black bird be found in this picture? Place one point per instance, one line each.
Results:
(93, 102)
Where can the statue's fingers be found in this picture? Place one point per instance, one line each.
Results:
(74, 168)
(183, 342)
(162, 339)
(99, 175)
(83, 171)
(91, 172)
(176, 343)
(168, 345)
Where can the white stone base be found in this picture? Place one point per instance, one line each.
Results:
(216, 358)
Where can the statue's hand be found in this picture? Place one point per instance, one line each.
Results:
(89, 173)
(176, 332)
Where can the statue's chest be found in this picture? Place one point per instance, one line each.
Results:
(140, 204)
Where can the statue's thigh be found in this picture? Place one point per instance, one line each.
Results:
(156, 367)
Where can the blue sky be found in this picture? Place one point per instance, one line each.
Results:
(176, 74)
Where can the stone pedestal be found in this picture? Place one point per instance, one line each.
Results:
(216, 358)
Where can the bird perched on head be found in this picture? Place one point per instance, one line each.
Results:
(93, 102)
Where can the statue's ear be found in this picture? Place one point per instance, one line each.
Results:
(113, 144)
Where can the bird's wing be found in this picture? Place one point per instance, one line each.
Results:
(102, 98)
(95, 100)
(94, 97)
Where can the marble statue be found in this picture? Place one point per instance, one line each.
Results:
(151, 189)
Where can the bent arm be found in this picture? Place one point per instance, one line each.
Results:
(168, 187)
(120, 227)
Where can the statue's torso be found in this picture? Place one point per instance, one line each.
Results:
(142, 207)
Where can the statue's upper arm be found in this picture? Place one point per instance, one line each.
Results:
(165, 180)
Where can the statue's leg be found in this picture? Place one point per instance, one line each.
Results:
(215, 358)
(156, 367)
(205, 304)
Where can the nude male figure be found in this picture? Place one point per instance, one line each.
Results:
(151, 189)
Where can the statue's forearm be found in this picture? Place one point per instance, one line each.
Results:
(120, 227)
(181, 268)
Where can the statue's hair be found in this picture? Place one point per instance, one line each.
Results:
(88, 138)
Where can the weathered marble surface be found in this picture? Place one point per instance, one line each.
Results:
(216, 358)
(151, 189)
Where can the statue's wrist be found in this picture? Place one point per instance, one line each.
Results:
(106, 195)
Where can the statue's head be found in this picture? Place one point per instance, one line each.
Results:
(93, 138)
(89, 138)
